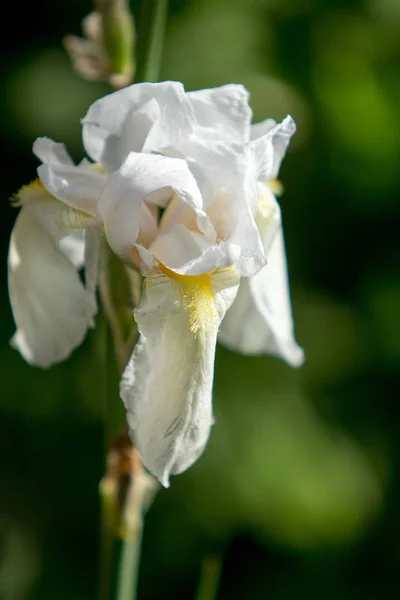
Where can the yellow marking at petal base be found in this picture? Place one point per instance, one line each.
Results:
(30, 193)
(72, 218)
(275, 186)
(266, 199)
(98, 168)
(198, 298)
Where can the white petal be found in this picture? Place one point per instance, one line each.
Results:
(190, 253)
(259, 129)
(229, 189)
(148, 228)
(260, 320)
(144, 116)
(77, 186)
(92, 256)
(147, 259)
(270, 149)
(142, 177)
(178, 211)
(263, 155)
(51, 152)
(52, 309)
(73, 246)
(223, 112)
(167, 386)
(112, 148)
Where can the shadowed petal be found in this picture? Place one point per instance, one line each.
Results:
(51, 307)
(260, 320)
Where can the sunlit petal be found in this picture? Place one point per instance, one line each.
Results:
(223, 112)
(73, 246)
(77, 186)
(145, 116)
(269, 149)
(143, 177)
(190, 253)
(51, 152)
(167, 386)
(228, 184)
(259, 129)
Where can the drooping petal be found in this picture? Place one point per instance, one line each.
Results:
(51, 307)
(167, 386)
(143, 177)
(260, 320)
(223, 112)
(123, 121)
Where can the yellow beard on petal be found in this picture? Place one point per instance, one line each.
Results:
(275, 186)
(70, 218)
(198, 298)
(31, 192)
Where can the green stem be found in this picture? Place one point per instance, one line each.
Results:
(149, 47)
(129, 567)
(151, 32)
(108, 520)
(114, 418)
(141, 492)
(210, 576)
(107, 493)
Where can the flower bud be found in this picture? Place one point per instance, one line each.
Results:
(118, 38)
(106, 51)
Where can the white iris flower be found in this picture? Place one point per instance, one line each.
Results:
(183, 188)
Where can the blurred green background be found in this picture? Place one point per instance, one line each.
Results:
(298, 489)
